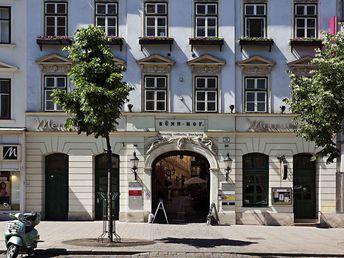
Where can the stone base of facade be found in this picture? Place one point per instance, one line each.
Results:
(332, 220)
(264, 218)
(133, 216)
(79, 216)
(227, 218)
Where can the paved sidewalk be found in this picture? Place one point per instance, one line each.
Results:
(195, 238)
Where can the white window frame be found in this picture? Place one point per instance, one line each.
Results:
(156, 16)
(49, 89)
(206, 17)
(55, 15)
(106, 17)
(255, 16)
(306, 17)
(155, 89)
(206, 91)
(8, 95)
(8, 26)
(256, 91)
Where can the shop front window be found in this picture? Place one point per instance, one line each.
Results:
(9, 190)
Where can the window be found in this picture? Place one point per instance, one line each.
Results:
(9, 190)
(256, 94)
(5, 25)
(206, 20)
(51, 83)
(155, 93)
(5, 97)
(55, 16)
(206, 94)
(156, 19)
(256, 180)
(107, 17)
(305, 21)
(255, 20)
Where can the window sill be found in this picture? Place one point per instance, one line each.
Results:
(156, 41)
(116, 41)
(53, 42)
(2, 45)
(305, 42)
(259, 42)
(206, 41)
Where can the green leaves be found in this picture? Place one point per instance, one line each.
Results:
(318, 100)
(95, 103)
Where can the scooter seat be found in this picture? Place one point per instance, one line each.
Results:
(31, 217)
(29, 228)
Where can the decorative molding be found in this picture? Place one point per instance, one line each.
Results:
(305, 1)
(256, 65)
(206, 64)
(119, 62)
(255, 1)
(302, 66)
(156, 64)
(54, 64)
(7, 68)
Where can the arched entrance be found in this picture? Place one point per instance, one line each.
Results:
(56, 186)
(182, 180)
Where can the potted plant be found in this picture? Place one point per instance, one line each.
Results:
(53, 40)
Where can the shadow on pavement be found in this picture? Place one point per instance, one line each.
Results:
(205, 243)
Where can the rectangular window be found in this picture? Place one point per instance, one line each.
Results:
(206, 20)
(255, 20)
(256, 94)
(305, 22)
(55, 18)
(255, 188)
(107, 17)
(206, 94)
(9, 190)
(5, 25)
(155, 93)
(5, 97)
(52, 82)
(156, 20)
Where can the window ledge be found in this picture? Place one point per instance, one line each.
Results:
(41, 41)
(116, 41)
(206, 41)
(2, 45)
(264, 42)
(156, 41)
(7, 121)
(305, 42)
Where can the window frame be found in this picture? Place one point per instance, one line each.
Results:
(156, 90)
(156, 16)
(255, 16)
(256, 91)
(55, 15)
(8, 117)
(206, 16)
(306, 17)
(206, 90)
(46, 89)
(106, 16)
(9, 24)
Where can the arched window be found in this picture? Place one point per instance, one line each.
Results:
(255, 180)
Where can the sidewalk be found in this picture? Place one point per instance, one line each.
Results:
(193, 238)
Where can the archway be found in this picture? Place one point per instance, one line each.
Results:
(181, 179)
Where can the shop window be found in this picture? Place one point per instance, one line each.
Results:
(255, 20)
(255, 180)
(256, 94)
(9, 190)
(155, 93)
(55, 19)
(52, 82)
(5, 97)
(206, 20)
(106, 14)
(305, 21)
(5, 25)
(156, 20)
(206, 93)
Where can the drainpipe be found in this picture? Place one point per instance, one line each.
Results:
(23, 173)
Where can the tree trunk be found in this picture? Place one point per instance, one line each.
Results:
(109, 188)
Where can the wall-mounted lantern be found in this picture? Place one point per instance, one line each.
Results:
(134, 164)
(228, 163)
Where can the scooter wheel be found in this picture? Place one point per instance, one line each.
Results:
(12, 251)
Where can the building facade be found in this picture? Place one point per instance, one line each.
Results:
(209, 81)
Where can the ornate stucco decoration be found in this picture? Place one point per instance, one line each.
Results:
(54, 64)
(119, 61)
(7, 68)
(302, 66)
(180, 142)
(206, 64)
(156, 64)
(256, 65)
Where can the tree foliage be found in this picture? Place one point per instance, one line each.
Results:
(95, 103)
(318, 100)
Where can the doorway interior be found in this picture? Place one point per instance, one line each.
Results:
(181, 180)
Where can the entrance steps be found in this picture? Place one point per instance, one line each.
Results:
(307, 222)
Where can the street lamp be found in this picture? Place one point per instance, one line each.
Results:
(228, 162)
(134, 163)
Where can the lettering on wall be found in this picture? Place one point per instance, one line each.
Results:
(50, 125)
(180, 124)
(260, 126)
(10, 152)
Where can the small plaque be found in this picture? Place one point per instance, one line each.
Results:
(281, 196)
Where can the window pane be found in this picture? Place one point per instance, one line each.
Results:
(261, 96)
(250, 96)
(212, 83)
(211, 106)
(149, 82)
(261, 84)
(149, 105)
(311, 23)
(50, 8)
(161, 32)
(150, 21)
(200, 32)
(161, 21)
(300, 33)
(61, 31)
(4, 13)
(111, 21)
(61, 21)
(112, 32)
(5, 86)
(161, 95)
(161, 106)
(211, 32)
(200, 21)
(61, 8)
(311, 10)
(249, 9)
(249, 83)
(4, 32)
(211, 22)
(300, 23)
(250, 107)
(212, 96)
(100, 9)
(300, 10)
(161, 8)
(149, 95)
(311, 33)
(100, 21)
(200, 95)
(161, 82)
(112, 9)
(150, 32)
(200, 106)
(212, 9)
(255, 27)
(61, 82)
(50, 21)
(200, 83)
(261, 107)
(49, 82)
(261, 9)
(150, 8)
(5, 106)
(200, 9)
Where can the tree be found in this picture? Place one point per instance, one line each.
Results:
(318, 100)
(95, 103)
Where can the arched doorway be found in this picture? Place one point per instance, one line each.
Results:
(304, 187)
(182, 180)
(56, 186)
(101, 185)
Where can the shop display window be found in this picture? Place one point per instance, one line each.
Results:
(9, 190)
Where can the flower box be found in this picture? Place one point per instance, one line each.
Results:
(50, 40)
(206, 41)
(259, 42)
(305, 42)
(156, 41)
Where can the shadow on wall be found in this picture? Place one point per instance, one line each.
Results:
(78, 212)
(254, 218)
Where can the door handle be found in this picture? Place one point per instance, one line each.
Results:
(97, 200)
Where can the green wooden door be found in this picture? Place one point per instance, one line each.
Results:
(304, 188)
(101, 186)
(56, 187)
